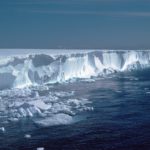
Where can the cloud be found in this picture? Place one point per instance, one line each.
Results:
(137, 14)
(96, 13)
(68, 7)
(45, 2)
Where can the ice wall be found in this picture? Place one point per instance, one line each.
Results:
(22, 71)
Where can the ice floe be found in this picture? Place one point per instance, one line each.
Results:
(58, 119)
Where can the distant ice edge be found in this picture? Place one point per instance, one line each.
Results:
(35, 69)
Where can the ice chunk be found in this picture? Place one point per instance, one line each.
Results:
(64, 94)
(2, 129)
(58, 119)
(40, 104)
(40, 148)
(13, 119)
(27, 136)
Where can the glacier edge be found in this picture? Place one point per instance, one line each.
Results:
(44, 68)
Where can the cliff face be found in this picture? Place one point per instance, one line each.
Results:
(43, 68)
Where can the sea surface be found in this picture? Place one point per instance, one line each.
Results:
(118, 118)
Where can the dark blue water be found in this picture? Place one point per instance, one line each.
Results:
(120, 120)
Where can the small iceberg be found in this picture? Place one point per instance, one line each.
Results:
(2, 129)
(27, 136)
(40, 148)
(57, 119)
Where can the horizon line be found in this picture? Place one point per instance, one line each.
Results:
(69, 49)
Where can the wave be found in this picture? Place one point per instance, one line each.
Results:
(35, 69)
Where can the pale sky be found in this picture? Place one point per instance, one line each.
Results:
(89, 24)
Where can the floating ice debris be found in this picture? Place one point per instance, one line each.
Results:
(41, 88)
(88, 109)
(2, 106)
(40, 148)
(27, 136)
(133, 79)
(43, 106)
(74, 102)
(58, 119)
(51, 97)
(28, 110)
(40, 104)
(2, 129)
(16, 92)
(89, 80)
(64, 94)
(61, 107)
(14, 106)
(13, 119)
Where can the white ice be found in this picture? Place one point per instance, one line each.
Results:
(58, 119)
(78, 65)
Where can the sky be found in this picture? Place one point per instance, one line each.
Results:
(75, 24)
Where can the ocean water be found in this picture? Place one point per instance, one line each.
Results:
(108, 111)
